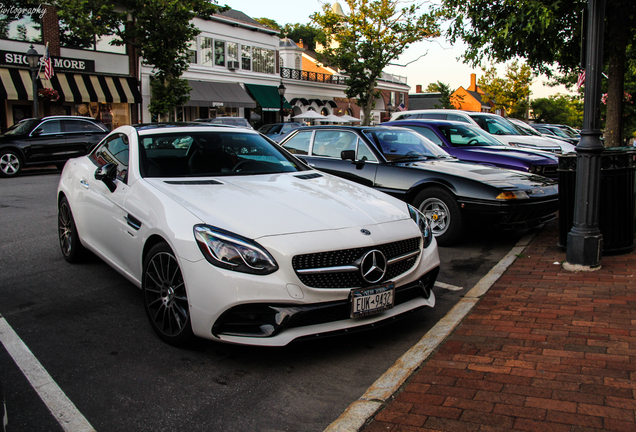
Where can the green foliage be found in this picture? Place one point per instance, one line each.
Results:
(160, 29)
(510, 93)
(558, 109)
(542, 31)
(364, 42)
(269, 23)
(447, 99)
(305, 32)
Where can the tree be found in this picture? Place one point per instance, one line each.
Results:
(558, 109)
(161, 31)
(305, 32)
(510, 93)
(364, 42)
(547, 34)
(269, 23)
(447, 99)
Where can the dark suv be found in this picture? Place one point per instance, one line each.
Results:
(47, 141)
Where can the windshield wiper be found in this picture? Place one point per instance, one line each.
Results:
(412, 158)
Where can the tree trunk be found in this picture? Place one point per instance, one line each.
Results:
(616, 56)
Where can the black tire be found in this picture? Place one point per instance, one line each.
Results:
(442, 211)
(10, 163)
(70, 242)
(165, 296)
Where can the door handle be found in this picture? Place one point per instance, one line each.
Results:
(84, 183)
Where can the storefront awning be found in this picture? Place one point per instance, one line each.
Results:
(96, 88)
(267, 97)
(217, 94)
(17, 85)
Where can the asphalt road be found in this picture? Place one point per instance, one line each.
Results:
(86, 326)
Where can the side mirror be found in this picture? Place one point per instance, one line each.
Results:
(348, 155)
(107, 174)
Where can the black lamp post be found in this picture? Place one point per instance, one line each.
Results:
(585, 240)
(281, 93)
(34, 58)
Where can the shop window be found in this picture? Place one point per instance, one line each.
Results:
(246, 57)
(219, 53)
(21, 27)
(207, 52)
(112, 115)
(264, 60)
(232, 53)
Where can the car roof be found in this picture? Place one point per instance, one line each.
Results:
(437, 122)
(184, 126)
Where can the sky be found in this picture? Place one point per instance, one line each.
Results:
(438, 64)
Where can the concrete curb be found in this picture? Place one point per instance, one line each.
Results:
(378, 395)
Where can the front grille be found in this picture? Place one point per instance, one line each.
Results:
(350, 257)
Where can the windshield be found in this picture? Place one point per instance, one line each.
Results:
(496, 125)
(22, 127)
(201, 154)
(397, 145)
(529, 130)
(468, 136)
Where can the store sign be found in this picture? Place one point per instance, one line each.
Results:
(9, 58)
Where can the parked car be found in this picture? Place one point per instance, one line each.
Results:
(232, 121)
(557, 132)
(471, 144)
(278, 131)
(47, 141)
(503, 129)
(451, 193)
(232, 238)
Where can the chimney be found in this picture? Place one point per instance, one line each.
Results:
(300, 44)
(473, 82)
(418, 88)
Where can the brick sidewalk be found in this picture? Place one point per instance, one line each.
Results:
(545, 350)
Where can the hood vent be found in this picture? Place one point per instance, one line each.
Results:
(308, 176)
(193, 182)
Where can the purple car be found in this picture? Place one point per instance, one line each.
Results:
(471, 144)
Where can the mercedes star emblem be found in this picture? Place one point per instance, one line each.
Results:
(373, 266)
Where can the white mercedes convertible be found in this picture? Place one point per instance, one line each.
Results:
(231, 238)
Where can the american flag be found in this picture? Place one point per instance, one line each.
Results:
(581, 80)
(401, 107)
(48, 63)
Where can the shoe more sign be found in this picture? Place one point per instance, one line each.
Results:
(11, 58)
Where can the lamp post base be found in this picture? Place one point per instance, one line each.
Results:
(584, 249)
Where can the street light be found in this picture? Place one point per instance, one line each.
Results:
(585, 240)
(33, 58)
(281, 92)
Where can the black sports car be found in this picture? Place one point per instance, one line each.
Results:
(47, 141)
(449, 192)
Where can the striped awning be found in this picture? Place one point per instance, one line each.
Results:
(17, 85)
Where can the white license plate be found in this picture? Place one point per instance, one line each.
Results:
(369, 301)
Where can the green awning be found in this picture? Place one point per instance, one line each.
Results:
(267, 97)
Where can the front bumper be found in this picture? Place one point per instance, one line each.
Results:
(510, 216)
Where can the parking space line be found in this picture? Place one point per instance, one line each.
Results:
(58, 404)
(448, 287)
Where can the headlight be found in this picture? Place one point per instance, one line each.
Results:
(423, 225)
(233, 252)
(511, 195)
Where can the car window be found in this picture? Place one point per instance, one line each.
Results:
(21, 127)
(332, 143)
(80, 126)
(299, 143)
(495, 125)
(456, 117)
(460, 136)
(404, 144)
(364, 153)
(431, 116)
(428, 133)
(289, 127)
(196, 153)
(50, 127)
(113, 149)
